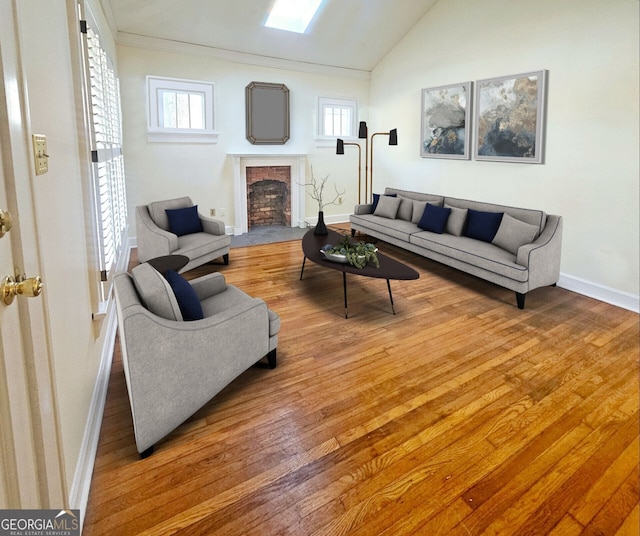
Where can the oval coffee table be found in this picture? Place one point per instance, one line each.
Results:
(389, 268)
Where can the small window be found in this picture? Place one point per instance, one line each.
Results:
(180, 110)
(337, 117)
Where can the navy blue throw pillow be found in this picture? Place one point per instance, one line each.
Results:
(376, 198)
(183, 221)
(185, 296)
(482, 225)
(434, 218)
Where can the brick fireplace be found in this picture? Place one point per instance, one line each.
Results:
(268, 195)
(268, 191)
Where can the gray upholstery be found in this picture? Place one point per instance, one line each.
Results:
(172, 368)
(155, 240)
(525, 256)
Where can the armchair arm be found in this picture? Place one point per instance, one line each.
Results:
(212, 226)
(542, 257)
(208, 285)
(152, 241)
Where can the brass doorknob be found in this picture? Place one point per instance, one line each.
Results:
(5, 222)
(12, 287)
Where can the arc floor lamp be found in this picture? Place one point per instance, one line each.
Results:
(368, 162)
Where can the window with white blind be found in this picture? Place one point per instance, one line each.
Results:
(180, 110)
(110, 200)
(337, 117)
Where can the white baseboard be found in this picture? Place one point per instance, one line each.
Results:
(600, 292)
(79, 493)
(81, 485)
(336, 218)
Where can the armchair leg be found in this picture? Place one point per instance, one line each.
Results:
(225, 258)
(271, 361)
(146, 453)
(520, 300)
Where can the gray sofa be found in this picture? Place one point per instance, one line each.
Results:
(155, 239)
(524, 255)
(173, 366)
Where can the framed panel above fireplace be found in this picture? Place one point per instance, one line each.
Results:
(267, 113)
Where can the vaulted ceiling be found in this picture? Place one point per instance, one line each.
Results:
(352, 34)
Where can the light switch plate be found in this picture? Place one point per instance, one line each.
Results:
(40, 155)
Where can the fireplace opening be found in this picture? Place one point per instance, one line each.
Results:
(268, 196)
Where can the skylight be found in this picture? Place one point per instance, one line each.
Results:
(292, 15)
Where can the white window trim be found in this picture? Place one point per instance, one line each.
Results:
(330, 141)
(156, 133)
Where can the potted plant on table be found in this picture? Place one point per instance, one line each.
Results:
(315, 192)
(357, 254)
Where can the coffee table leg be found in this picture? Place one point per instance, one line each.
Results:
(302, 271)
(391, 297)
(344, 284)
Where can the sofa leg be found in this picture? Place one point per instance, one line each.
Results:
(146, 453)
(225, 258)
(271, 361)
(520, 300)
(353, 233)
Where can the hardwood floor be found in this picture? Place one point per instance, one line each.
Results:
(459, 415)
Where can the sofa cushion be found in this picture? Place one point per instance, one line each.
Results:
(417, 196)
(482, 225)
(185, 295)
(376, 200)
(387, 207)
(434, 218)
(473, 253)
(456, 221)
(155, 292)
(527, 215)
(514, 233)
(418, 211)
(184, 221)
(398, 229)
(405, 210)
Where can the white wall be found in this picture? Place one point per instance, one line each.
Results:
(204, 172)
(590, 174)
(64, 223)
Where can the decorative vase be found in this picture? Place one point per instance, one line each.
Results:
(321, 228)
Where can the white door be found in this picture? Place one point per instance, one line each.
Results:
(30, 461)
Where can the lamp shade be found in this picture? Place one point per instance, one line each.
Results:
(362, 131)
(340, 146)
(393, 137)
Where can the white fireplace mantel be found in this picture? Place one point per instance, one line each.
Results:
(297, 163)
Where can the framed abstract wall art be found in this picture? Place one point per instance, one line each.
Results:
(446, 112)
(509, 118)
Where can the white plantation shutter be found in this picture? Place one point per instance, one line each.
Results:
(106, 154)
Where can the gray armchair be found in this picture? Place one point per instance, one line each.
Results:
(155, 239)
(173, 367)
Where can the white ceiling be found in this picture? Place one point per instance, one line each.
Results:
(352, 34)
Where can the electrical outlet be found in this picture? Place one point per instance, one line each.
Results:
(223, 212)
(212, 212)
